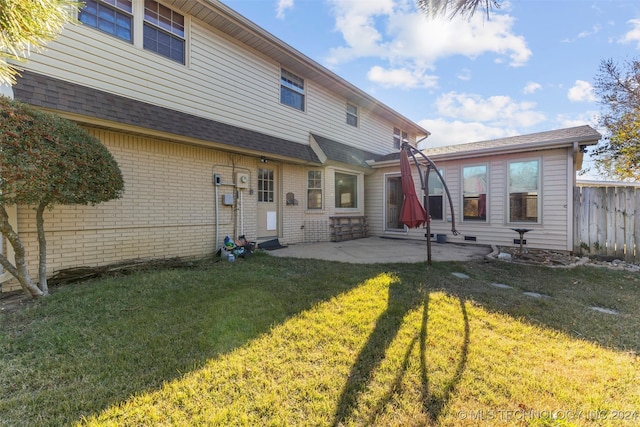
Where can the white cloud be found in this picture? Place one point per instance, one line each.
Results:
(402, 78)
(594, 30)
(445, 132)
(584, 34)
(394, 31)
(586, 118)
(357, 22)
(467, 118)
(283, 5)
(581, 91)
(633, 35)
(495, 110)
(532, 87)
(464, 75)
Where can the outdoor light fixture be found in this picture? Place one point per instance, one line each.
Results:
(263, 159)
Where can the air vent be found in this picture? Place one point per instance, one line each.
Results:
(470, 238)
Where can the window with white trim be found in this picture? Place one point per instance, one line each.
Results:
(352, 115)
(436, 196)
(474, 198)
(291, 90)
(314, 190)
(399, 136)
(524, 182)
(110, 16)
(164, 31)
(346, 189)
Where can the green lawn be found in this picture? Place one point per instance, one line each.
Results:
(288, 342)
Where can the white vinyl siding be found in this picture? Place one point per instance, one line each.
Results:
(552, 232)
(217, 69)
(374, 200)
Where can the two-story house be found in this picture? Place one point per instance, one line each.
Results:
(220, 129)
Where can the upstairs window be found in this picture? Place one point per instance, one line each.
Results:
(474, 181)
(164, 31)
(399, 136)
(352, 115)
(523, 191)
(291, 90)
(110, 16)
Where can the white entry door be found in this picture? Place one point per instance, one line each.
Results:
(268, 202)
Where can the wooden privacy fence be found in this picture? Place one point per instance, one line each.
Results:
(607, 222)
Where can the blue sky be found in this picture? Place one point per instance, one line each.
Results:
(530, 67)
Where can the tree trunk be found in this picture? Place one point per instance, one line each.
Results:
(42, 249)
(19, 271)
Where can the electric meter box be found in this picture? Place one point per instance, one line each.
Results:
(242, 180)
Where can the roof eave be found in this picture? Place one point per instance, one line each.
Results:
(531, 146)
(565, 143)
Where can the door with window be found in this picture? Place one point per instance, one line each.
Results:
(268, 202)
(393, 203)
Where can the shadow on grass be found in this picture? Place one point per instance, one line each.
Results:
(558, 298)
(565, 307)
(86, 348)
(373, 353)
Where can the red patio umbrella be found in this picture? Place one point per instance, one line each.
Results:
(412, 213)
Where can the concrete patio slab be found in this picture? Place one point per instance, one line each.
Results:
(371, 250)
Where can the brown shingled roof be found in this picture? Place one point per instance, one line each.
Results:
(342, 153)
(583, 135)
(55, 94)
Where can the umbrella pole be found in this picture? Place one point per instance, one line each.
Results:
(413, 150)
(425, 192)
